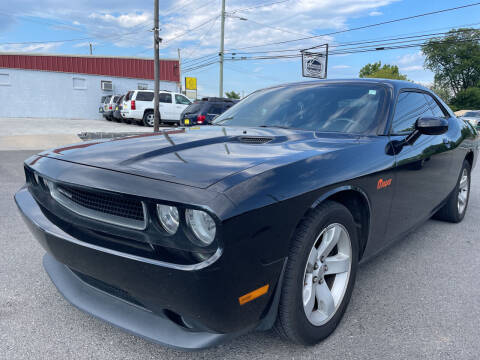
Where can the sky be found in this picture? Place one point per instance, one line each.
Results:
(123, 28)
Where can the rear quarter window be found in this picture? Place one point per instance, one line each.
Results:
(144, 96)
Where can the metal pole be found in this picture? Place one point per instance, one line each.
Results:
(156, 55)
(179, 71)
(222, 40)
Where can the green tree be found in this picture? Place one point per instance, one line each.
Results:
(455, 59)
(376, 70)
(442, 91)
(232, 95)
(466, 99)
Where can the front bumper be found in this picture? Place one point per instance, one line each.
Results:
(203, 300)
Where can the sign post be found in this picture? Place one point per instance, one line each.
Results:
(315, 62)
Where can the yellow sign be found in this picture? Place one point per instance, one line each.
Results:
(190, 83)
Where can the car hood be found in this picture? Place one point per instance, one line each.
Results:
(200, 157)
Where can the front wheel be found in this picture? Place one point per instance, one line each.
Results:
(319, 276)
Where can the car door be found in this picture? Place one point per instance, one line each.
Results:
(420, 176)
(166, 106)
(181, 103)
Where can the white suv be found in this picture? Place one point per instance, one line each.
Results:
(138, 106)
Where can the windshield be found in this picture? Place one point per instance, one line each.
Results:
(348, 108)
(472, 114)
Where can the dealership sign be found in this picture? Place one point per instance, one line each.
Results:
(314, 63)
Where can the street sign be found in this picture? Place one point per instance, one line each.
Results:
(315, 61)
(190, 83)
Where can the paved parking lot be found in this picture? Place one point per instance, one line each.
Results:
(34, 133)
(419, 299)
(32, 126)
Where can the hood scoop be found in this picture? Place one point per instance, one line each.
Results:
(254, 139)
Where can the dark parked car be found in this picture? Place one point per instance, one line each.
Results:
(202, 112)
(117, 115)
(305, 181)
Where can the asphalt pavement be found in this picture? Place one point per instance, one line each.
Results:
(419, 299)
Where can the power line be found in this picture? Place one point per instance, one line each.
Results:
(183, 34)
(259, 6)
(359, 42)
(369, 48)
(200, 66)
(360, 27)
(276, 28)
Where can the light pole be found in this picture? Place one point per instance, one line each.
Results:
(222, 43)
(156, 70)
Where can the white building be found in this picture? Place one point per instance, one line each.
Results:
(70, 87)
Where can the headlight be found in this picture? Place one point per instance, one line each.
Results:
(202, 225)
(168, 216)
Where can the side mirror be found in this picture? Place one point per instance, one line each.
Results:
(431, 125)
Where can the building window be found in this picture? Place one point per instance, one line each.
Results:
(142, 86)
(106, 85)
(5, 79)
(79, 83)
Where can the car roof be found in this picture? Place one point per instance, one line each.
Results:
(395, 84)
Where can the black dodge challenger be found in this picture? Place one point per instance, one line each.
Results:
(194, 236)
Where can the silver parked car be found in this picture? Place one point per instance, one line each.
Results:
(473, 117)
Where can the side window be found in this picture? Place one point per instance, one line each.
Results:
(216, 109)
(410, 106)
(144, 96)
(180, 99)
(165, 98)
(437, 111)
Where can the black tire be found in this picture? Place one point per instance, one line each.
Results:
(107, 118)
(292, 322)
(450, 211)
(146, 118)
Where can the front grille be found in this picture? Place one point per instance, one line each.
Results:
(106, 203)
(106, 207)
(254, 139)
(107, 288)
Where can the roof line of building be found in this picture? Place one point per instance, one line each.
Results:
(83, 56)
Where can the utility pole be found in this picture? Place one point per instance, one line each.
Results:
(222, 41)
(91, 52)
(179, 72)
(156, 86)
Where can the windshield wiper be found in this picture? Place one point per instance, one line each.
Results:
(222, 121)
(275, 126)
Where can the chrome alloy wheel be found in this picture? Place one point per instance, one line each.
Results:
(150, 119)
(326, 274)
(463, 190)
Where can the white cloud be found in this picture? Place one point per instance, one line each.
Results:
(412, 68)
(125, 21)
(341, 67)
(375, 13)
(411, 58)
(44, 47)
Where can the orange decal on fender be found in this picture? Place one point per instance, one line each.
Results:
(383, 183)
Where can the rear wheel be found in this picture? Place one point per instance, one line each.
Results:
(456, 206)
(319, 276)
(148, 118)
